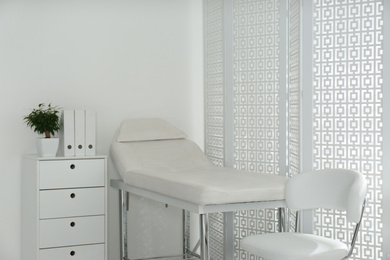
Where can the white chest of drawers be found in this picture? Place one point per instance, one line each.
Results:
(64, 208)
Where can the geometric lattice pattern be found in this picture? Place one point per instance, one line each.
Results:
(347, 105)
(216, 237)
(294, 89)
(347, 102)
(214, 98)
(256, 104)
(256, 88)
(214, 82)
(293, 95)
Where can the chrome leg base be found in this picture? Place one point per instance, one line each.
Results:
(204, 237)
(173, 257)
(282, 220)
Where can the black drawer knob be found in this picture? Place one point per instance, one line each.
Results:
(80, 146)
(69, 147)
(72, 166)
(72, 224)
(90, 146)
(72, 195)
(72, 253)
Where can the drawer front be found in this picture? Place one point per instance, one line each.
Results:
(90, 252)
(71, 202)
(71, 173)
(71, 231)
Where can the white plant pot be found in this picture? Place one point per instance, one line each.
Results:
(47, 146)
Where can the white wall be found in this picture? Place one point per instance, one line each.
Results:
(122, 58)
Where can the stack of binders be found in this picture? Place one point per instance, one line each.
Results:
(78, 133)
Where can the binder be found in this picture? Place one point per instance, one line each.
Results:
(79, 126)
(90, 132)
(67, 134)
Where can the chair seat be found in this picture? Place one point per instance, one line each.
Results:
(294, 246)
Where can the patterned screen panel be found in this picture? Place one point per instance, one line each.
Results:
(293, 95)
(294, 88)
(214, 82)
(347, 104)
(347, 96)
(256, 86)
(256, 104)
(214, 96)
(255, 65)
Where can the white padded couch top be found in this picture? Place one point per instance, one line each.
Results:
(178, 168)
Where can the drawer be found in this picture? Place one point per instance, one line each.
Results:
(71, 173)
(71, 202)
(71, 231)
(90, 252)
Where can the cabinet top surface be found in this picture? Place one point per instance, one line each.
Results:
(37, 157)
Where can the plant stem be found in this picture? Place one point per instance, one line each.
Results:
(47, 134)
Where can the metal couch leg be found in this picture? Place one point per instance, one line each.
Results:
(123, 208)
(186, 235)
(204, 237)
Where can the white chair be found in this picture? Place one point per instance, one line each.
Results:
(343, 190)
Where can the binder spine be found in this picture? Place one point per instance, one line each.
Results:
(67, 134)
(79, 125)
(90, 132)
(77, 133)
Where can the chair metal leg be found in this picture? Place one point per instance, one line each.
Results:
(204, 237)
(355, 233)
(123, 207)
(282, 219)
(297, 221)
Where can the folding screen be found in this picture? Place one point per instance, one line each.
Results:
(347, 109)
(247, 124)
(253, 103)
(257, 104)
(214, 102)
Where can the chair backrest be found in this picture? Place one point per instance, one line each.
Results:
(329, 189)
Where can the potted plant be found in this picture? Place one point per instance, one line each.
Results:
(45, 120)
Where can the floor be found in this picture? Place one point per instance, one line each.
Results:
(171, 258)
(180, 258)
